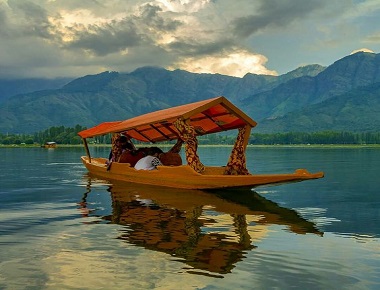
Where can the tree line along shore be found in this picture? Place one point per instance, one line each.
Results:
(69, 136)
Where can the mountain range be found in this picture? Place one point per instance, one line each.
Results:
(344, 96)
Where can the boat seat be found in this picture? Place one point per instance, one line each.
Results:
(171, 159)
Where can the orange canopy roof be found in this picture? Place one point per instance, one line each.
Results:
(208, 116)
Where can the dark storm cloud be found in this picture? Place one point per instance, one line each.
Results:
(150, 15)
(120, 35)
(106, 39)
(35, 19)
(192, 47)
(275, 13)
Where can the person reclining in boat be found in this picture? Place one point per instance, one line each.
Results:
(151, 161)
(133, 156)
(170, 159)
(123, 145)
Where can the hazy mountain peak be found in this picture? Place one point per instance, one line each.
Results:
(91, 82)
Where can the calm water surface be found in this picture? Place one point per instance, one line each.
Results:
(63, 229)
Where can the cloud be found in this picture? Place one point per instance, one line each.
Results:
(274, 14)
(105, 39)
(362, 50)
(373, 38)
(23, 19)
(72, 38)
(236, 63)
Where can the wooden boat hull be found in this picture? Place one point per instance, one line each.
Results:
(185, 177)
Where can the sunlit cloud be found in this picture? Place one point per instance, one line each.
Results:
(237, 63)
(362, 50)
(188, 6)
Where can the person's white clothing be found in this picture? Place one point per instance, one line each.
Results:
(147, 163)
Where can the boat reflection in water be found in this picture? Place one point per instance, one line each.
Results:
(208, 231)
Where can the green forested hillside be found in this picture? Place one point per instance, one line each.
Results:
(114, 96)
(11, 87)
(355, 111)
(341, 97)
(343, 76)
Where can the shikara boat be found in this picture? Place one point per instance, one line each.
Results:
(184, 124)
(49, 144)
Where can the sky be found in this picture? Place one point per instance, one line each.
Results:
(73, 38)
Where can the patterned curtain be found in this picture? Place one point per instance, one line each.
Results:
(187, 134)
(236, 163)
(116, 149)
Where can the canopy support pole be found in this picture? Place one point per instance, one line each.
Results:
(236, 163)
(87, 150)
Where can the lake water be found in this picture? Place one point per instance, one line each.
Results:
(62, 229)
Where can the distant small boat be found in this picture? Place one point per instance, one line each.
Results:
(184, 124)
(50, 145)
